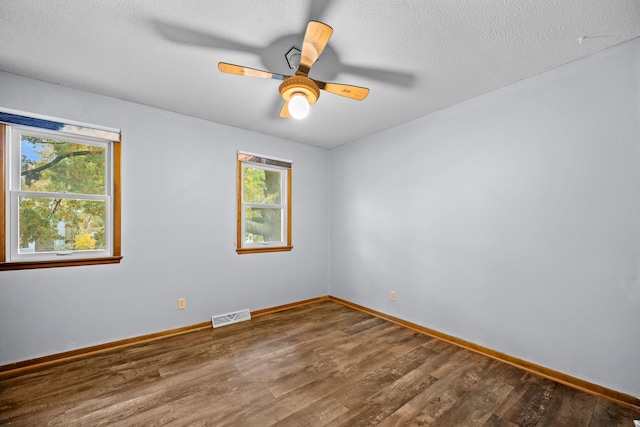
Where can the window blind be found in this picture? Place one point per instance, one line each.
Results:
(42, 122)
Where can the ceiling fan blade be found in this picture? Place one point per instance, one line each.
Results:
(354, 92)
(246, 71)
(315, 40)
(284, 112)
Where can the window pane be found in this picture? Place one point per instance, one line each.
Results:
(49, 224)
(263, 225)
(262, 186)
(61, 167)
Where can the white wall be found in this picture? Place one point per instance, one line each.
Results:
(178, 232)
(511, 220)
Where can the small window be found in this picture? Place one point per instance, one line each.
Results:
(59, 197)
(264, 204)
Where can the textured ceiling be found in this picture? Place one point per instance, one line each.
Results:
(415, 56)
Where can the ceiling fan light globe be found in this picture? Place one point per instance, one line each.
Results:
(298, 106)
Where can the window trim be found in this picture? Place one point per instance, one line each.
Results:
(259, 160)
(114, 258)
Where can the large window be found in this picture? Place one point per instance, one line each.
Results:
(264, 204)
(60, 201)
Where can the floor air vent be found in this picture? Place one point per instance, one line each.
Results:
(229, 318)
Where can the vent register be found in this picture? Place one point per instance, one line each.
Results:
(230, 318)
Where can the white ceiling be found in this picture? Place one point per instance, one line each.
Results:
(416, 56)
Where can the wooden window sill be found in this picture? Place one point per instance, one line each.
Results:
(27, 265)
(241, 251)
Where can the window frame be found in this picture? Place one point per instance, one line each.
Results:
(6, 262)
(271, 164)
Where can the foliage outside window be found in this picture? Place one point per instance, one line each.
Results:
(59, 204)
(264, 204)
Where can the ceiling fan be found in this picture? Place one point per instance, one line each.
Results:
(299, 90)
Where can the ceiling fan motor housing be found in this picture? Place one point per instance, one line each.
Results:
(300, 84)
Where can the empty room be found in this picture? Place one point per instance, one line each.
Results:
(340, 213)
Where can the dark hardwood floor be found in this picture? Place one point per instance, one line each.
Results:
(315, 365)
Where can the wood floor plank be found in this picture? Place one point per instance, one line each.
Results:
(476, 406)
(607, 413)
(321, 413)
(569, 406)
(495, 421)
(363, 371)
(313, 365)
(445, 394)
(534, 402)
(334, 361)
(379, 406)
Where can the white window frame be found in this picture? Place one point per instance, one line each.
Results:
(14, 192)
(257, 161)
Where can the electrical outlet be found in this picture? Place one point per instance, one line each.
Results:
(393, 295)
(182, 303)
